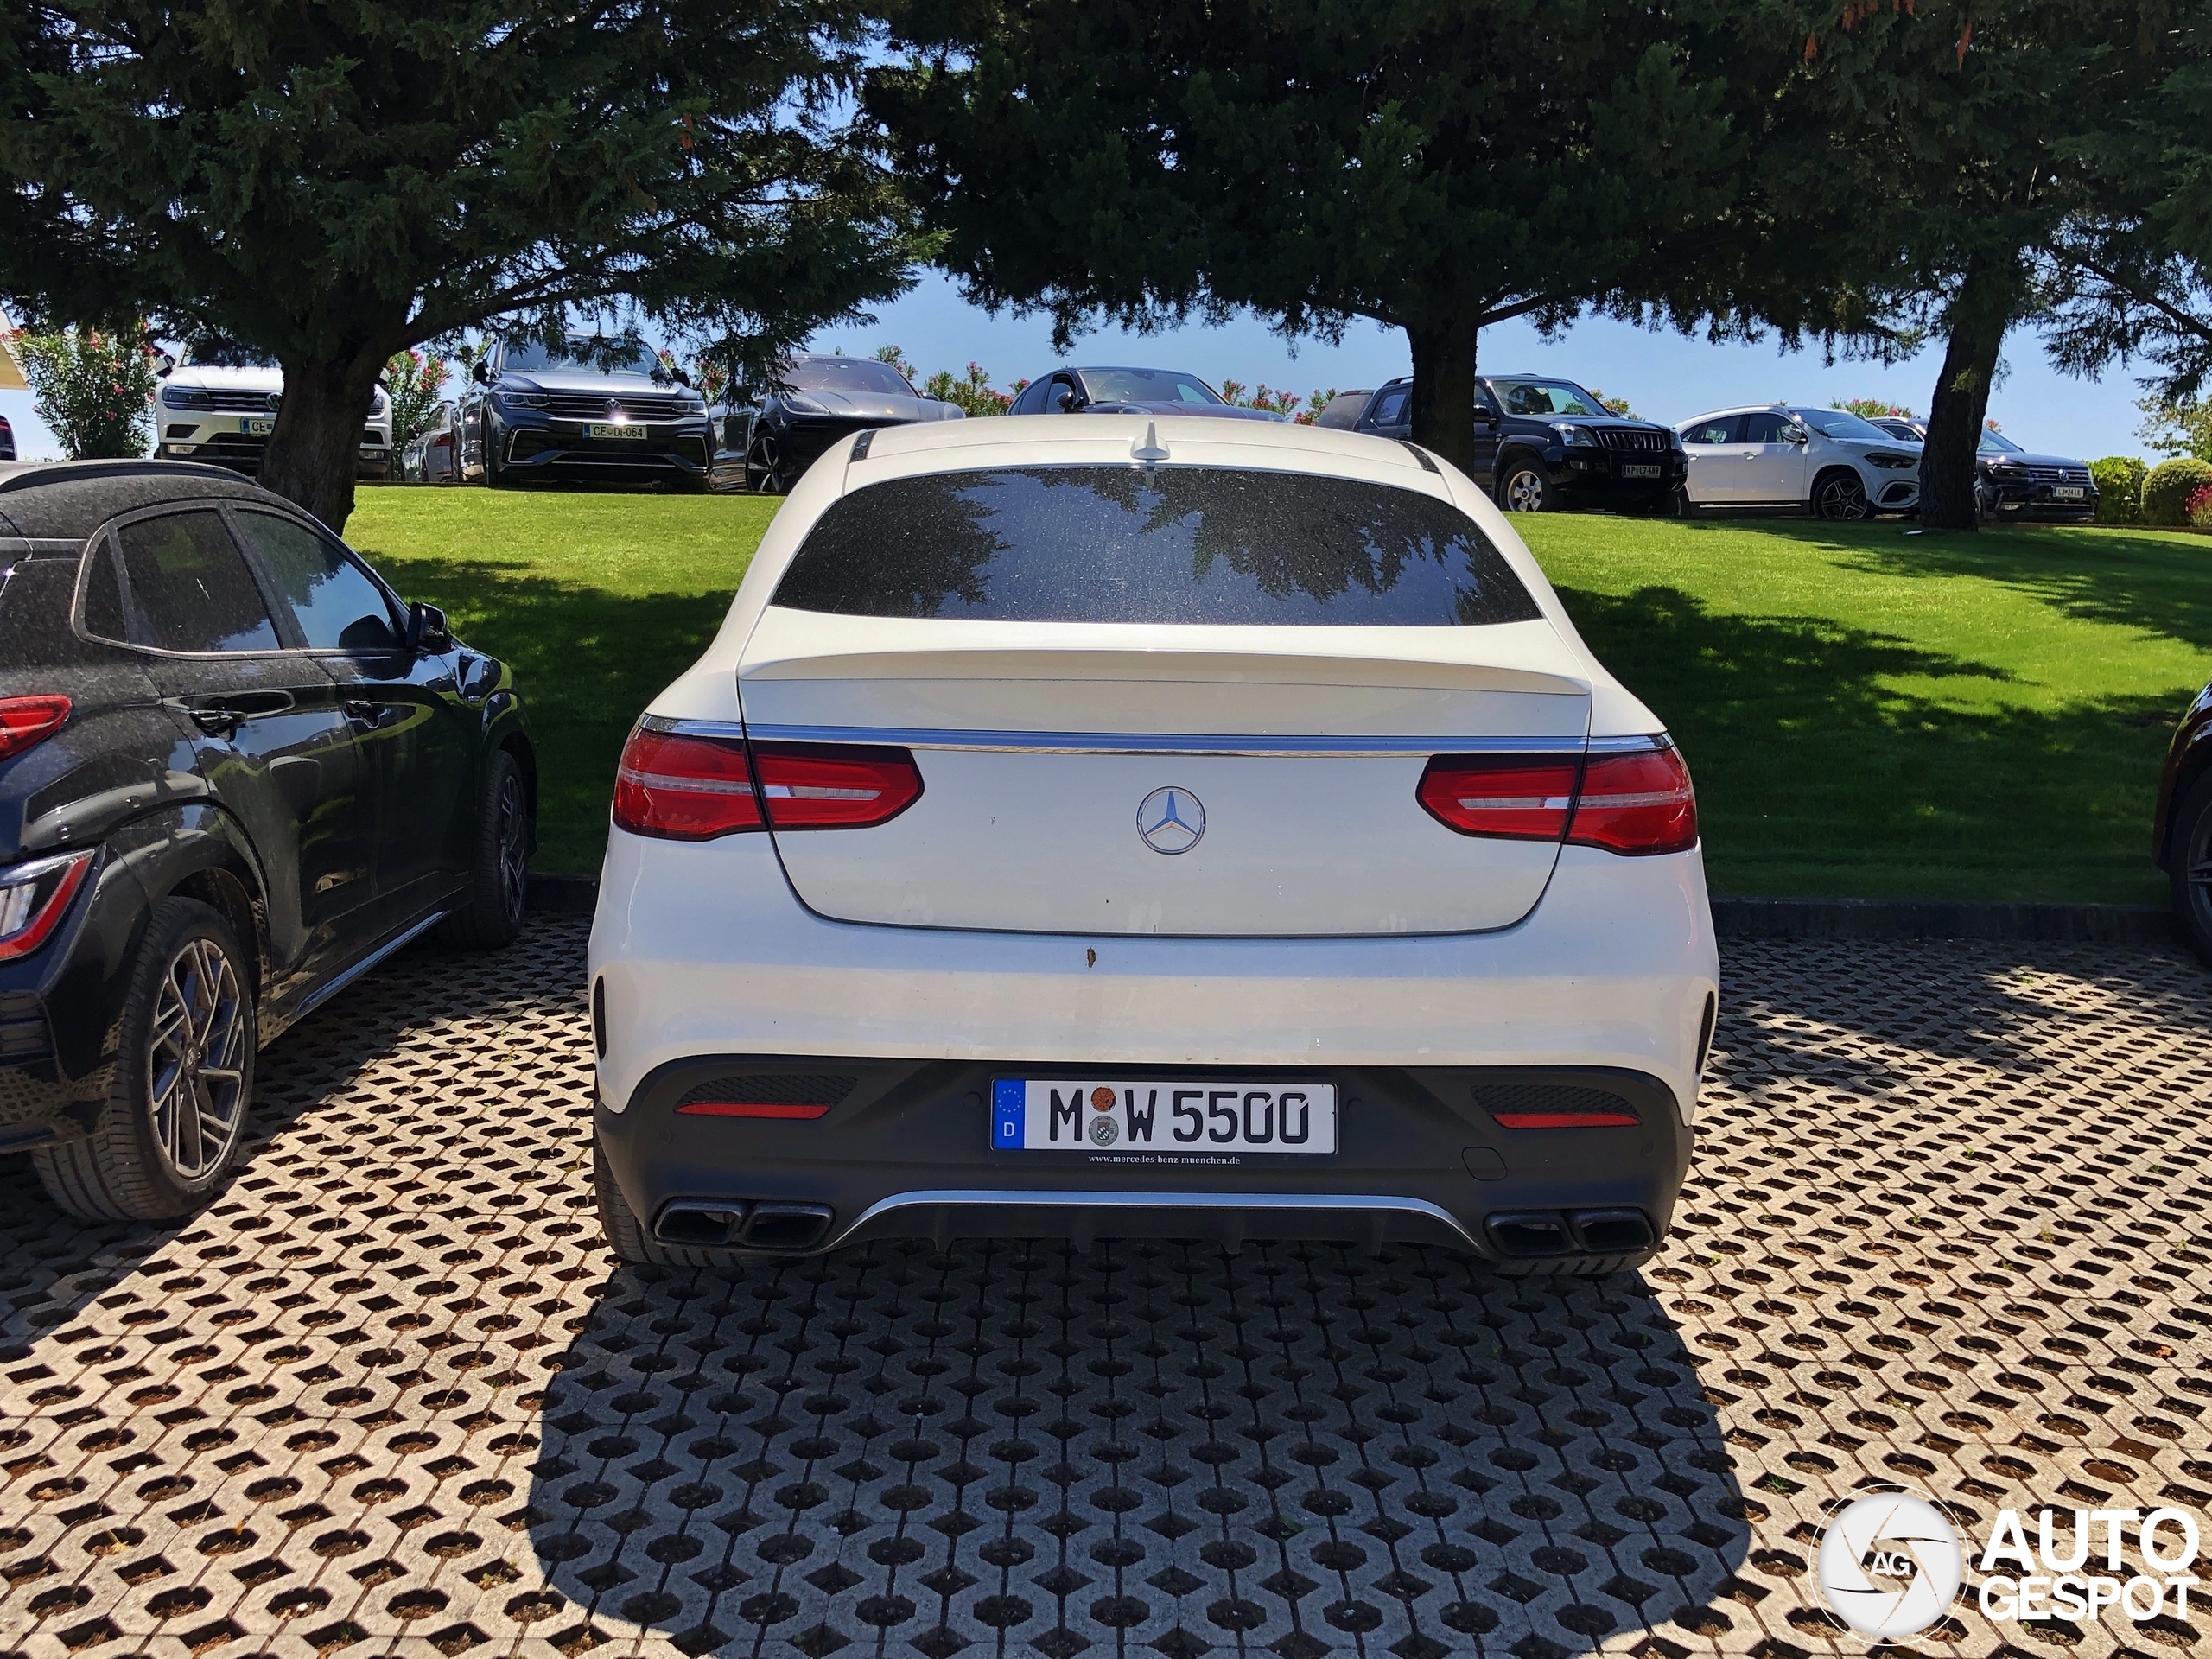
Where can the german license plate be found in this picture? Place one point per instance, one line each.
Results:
(1640, 469)
(260, 427)
(610, 429)
(2067, 493)
(1069, 1115)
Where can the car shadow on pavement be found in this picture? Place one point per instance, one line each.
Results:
(1139, 1445)
(51, 1264)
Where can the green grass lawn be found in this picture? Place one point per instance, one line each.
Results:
(1868, 713)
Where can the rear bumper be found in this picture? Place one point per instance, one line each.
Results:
(700, 952)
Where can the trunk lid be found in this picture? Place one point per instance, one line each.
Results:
(1274, 771)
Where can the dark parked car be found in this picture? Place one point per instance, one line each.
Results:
(1542, 443)
(432, 455)
(815, 401)
(7, 440)
(236, 772)
(2181, 838)
(595, 409)
(1129, 392)
(2010, 483)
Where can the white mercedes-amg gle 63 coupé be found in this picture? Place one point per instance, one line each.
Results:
(1147, 827)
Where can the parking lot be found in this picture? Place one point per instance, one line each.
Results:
(1947, 1226)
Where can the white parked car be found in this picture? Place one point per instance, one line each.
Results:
(1147, 826)
(1827, 462)
(218, 403)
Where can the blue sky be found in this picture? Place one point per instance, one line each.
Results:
(1666, 377)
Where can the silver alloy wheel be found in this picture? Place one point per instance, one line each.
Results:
(1524, 491)
(2196, 871)
(1841, 497)
(514, 859)
(195, 1057)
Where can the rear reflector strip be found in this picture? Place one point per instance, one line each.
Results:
(1564, 1120)
(750, 1108)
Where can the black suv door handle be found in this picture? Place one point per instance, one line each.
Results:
(361, 708)
(218, 723)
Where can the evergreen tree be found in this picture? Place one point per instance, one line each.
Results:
(333, 183)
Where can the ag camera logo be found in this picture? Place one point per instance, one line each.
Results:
(1889, 1564)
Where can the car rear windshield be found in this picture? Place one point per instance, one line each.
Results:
(1175, 544)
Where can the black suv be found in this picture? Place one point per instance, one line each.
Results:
(236, 772)
(1542, 443)
(596, 408)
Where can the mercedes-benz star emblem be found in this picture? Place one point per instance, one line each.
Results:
(1171, 820)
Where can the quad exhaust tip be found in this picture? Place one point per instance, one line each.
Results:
(743, 1223)
(1532, 1235)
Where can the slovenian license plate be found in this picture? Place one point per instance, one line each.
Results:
(1161, 1119)
(258, 429)
(2067, 493)
(610, 429)
(1640, 469)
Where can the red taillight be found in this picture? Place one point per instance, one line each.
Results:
(1520, 797)
(443, 441)
(34, 898)
(836, 785)
(1637, 803)
(1564, 1120)
(683, 787)
(28, 721)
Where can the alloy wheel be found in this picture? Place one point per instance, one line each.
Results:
(514, 872)
(2196, 866)
(1842, 498)
(1524, 492)
(195, 1059)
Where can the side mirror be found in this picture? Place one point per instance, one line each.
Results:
(1062, 401)
(1795, 434)
(427, 630)
(164, 365)
(1484, 416)
(481, 372)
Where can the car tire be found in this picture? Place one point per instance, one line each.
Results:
(760, 475)
(1839, 497)
(489, 914)
(152, 1153)
(495, 474)
(1522, 486)
(2188, 860)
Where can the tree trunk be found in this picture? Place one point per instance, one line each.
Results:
(1979, 317)
(1444, 391)
(315, 451)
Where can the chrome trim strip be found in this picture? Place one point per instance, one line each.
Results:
(1149, 743)
(368, 962)
(938, 1198)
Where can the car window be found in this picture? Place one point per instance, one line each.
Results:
(1177, 544)
(845, 374)
(584, 355)
(1992, 444)
(1031, 400)
(1837, 423)
(1391, 407)
(177, 583)
(338, 605)
(1148, 386)
(1545, 398)
(1721, 430)
(1764, 426)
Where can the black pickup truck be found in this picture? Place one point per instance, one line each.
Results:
(1542, 443)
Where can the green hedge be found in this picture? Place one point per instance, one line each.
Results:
(2167, 490)
(2120, 488)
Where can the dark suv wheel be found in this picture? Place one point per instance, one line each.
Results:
(168, 1130)
(1523, 487)
(2190, 859)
